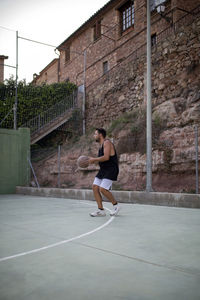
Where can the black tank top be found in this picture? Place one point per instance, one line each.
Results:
(109, 169)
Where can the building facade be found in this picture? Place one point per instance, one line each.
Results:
(108, 55)
(113, 44)
(108, 37)
(111, 35)
(49, 74)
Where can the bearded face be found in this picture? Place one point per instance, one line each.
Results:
(96, 136)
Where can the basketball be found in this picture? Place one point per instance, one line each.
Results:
(83, 161)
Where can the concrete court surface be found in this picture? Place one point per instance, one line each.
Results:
(50, 248)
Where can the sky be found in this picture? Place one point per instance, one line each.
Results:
(46, 21)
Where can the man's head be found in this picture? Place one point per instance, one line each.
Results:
(100, 134)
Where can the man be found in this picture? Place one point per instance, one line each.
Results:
(108, 162)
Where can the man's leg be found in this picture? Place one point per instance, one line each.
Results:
(96, 190)
(97, 196)
(108, 195)
(105, 187)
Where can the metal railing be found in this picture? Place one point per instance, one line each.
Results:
(53, 113)
(10, 111)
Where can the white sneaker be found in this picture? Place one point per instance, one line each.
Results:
(115, 210)
(98, 213)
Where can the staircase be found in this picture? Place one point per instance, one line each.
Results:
(52, 118)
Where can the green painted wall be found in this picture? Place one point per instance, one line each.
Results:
(14, 166)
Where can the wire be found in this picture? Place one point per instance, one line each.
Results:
(20, 37)
(7, 28)
(7, 66)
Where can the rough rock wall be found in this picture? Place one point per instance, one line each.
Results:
(175, 99)
(175, 75)
(173, 165)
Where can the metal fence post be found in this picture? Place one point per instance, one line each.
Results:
(16, 82)
(197, 159)
(39, 122)
(58, 166)
(33, 173)
(149, 107)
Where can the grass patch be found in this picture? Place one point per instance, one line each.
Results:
(135, 124)
(119, 123)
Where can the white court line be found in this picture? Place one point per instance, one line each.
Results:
(61, 242)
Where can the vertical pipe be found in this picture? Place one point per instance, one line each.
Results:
(84, 91)
(197, 159)
(16, 100)
(28, 170)
(149, 109)
(58, 166)
(38, 122)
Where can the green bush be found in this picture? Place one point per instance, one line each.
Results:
(32, 100)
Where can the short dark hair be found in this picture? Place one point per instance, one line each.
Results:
(102, 131)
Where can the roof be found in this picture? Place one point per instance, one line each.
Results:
(3, 57)
(89, 21)
(46, 68)
(49, 65)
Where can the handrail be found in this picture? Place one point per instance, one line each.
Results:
(50, 115)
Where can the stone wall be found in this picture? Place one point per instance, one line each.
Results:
(175, 99)
(173, 164)
(113, 45)
(176, 103)
(49, 74)
(175, 82)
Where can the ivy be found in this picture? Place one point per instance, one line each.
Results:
(32, 100)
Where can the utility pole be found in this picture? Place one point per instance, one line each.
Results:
(149, 106)
(16, 82)
(84, 91)
(197, 158)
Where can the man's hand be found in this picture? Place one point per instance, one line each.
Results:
(92, 160)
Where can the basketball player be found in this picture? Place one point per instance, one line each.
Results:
(108, 162)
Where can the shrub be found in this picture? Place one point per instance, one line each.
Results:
(32, 100)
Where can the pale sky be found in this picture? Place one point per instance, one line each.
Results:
(47, 21)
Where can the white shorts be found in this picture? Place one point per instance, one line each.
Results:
(104, 183)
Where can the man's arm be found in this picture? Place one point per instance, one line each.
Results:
(105, 157)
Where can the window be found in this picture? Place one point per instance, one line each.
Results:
(127, 15)
(97, 30)
(153, 39)
(67, 54)
(105, 67)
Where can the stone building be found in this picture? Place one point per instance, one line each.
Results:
(49, 74)
(114, 40)
(107, 44)
(2, 58)
(112, 34)
(109, 36)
